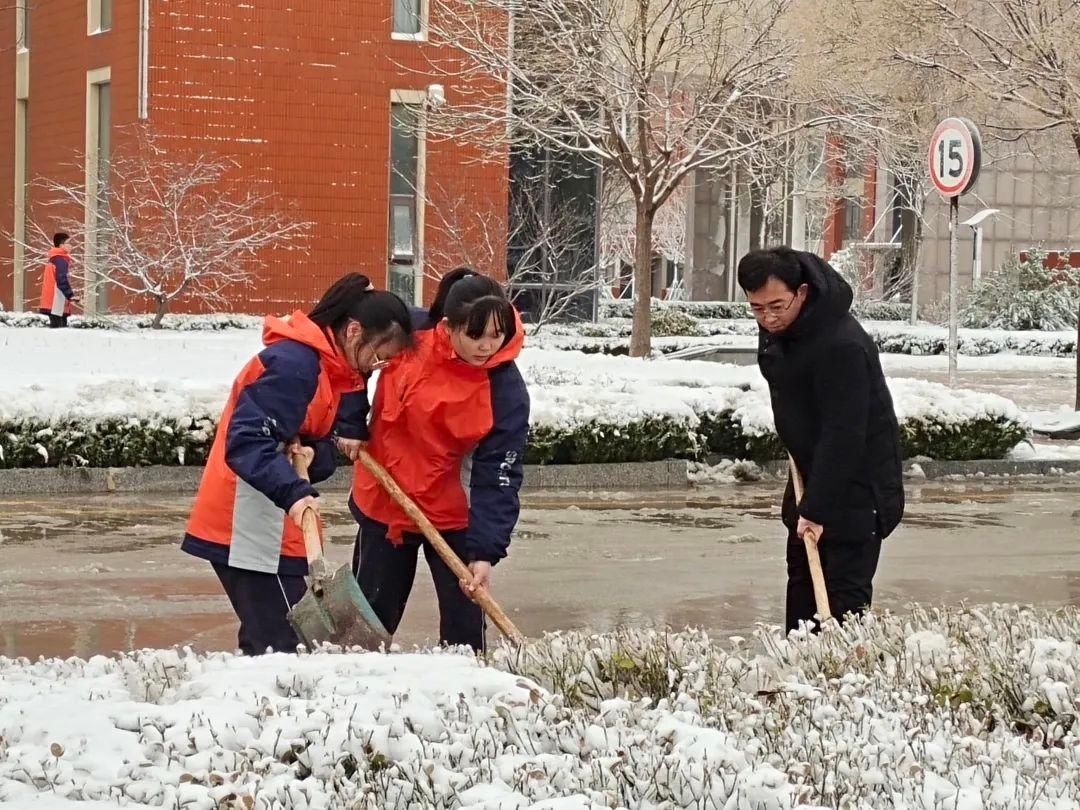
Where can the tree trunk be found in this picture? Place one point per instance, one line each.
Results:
(1076, 143)
(641, 332)
(159, 313)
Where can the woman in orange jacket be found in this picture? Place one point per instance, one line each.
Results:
(299, 394)
(449, 423)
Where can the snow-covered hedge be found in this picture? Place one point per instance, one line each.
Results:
(967, 710)
(612, 337)
(175, 323)
(871, 310)
(584, 408)
(732, 430)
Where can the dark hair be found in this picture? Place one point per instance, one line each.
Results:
(758, 266)
(382, 315)
(59, 239)
(438, 306)
(473, 301)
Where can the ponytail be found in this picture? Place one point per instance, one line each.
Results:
(381, 314)
(438, 306)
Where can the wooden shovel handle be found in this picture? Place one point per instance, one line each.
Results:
(482, 597)
(309, 522)
(813, 558)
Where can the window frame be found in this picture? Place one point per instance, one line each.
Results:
(404, 36)
(399, 264)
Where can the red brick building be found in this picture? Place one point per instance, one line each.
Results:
(299, 94)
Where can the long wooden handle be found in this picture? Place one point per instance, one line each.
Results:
(309, 522)
(461, 571)
(810, 540)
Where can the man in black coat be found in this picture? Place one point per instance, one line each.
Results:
(834, 414)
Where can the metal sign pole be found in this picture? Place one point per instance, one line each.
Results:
(955, 158)
(954, 221)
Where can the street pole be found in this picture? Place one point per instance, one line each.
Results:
(954, 218)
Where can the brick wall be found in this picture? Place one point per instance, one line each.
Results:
(298, 95)
(7, 151)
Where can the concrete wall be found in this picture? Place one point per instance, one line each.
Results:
(1039, 201)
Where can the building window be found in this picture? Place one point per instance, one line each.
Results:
(853, 220)
(104, 137)
(23, 26)
(98, 149)
(404, 194)
(98, 16)
(409, 18)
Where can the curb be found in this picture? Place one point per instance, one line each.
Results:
(988, 468)
(670, 476)
(656, 475)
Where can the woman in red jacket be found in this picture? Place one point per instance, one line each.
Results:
(449, 423)
(302, 391)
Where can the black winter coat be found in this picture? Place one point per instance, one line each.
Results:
(834, 413)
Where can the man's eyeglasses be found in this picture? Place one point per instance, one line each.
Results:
(772, 309)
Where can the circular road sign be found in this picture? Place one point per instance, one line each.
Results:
(955, 157)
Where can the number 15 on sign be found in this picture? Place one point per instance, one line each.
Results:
(954, 160)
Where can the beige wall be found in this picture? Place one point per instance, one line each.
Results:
(1039, 200)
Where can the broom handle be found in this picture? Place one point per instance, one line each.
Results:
(309, 521)
(810, 540)
(461, 571)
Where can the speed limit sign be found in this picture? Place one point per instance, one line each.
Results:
(955, 157)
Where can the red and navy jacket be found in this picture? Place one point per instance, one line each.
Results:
(453, 436)
(56, 292)
(299, 385)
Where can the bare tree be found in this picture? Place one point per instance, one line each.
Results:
(618, 229)
(649, 89)
(1022, 55)
(552, 256)
(168, 226)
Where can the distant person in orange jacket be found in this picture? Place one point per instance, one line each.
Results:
(300, 394)
(56, 293)
(449, 423)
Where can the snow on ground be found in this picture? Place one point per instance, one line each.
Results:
(969, 709)
(59, 374)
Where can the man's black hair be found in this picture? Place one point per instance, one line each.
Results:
(59, 239)
(758, 266)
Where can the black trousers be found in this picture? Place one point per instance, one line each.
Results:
(56, 321)
(849, 561)
(262, 602)
(386, 572)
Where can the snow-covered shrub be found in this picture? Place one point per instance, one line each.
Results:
(703, 310)
(965, 709)
(1024, 295)
(649, 439)
(175, 323)
(970, 440)
(674, 323)
(164, 442)
(113, 442)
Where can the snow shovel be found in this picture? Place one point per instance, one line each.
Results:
(333, 609)
(461, 571)
(817, 575)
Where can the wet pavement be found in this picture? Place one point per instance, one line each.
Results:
(106, 574)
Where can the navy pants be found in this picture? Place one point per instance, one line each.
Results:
(849, 561)
(262, 603)
(385, 573)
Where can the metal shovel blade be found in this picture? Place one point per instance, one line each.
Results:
(334, 610)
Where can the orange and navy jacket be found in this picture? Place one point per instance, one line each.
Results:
(56, 292)
(453, 437)
(299, 385)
